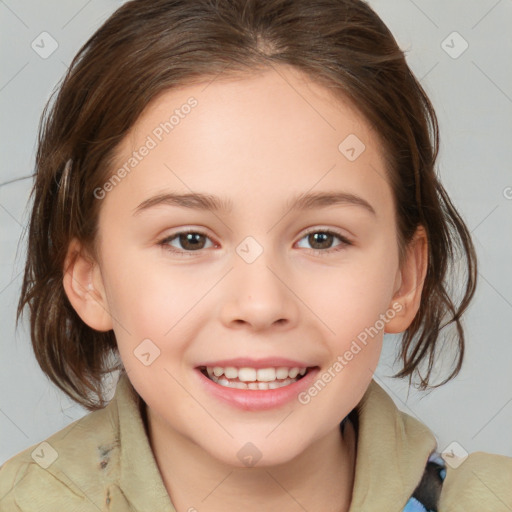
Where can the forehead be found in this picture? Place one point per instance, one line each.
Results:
(266, 134)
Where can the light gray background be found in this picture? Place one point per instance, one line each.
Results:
(473, 98)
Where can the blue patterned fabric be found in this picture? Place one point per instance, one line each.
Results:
(413, 505)
(426, 496)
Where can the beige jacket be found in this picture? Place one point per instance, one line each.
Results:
(103, 462)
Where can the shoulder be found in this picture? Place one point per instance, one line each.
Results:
(398, 446)
(59, 470)
(481, 481)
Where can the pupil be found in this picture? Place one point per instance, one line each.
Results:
(191, 240)
(322, 238)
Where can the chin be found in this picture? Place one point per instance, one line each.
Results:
(255, 455)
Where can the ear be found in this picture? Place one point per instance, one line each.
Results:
(409, 283)
(84, 288)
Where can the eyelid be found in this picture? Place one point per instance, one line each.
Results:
(325, 229)
(345, 241)
(163, 242)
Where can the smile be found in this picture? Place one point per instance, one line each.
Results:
(253, 378)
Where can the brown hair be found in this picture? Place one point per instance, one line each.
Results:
(149, 46)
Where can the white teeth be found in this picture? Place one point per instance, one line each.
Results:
(266, 374)
(252, 385)
(254, 378)
(247, 374)
(282, 373)
(293, 373)
(230, 372)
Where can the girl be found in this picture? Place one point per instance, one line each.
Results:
(234, 201)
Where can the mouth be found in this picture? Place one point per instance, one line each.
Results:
(256, 379)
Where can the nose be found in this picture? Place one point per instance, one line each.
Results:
(258, 296)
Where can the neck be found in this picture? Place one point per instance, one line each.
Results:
(320, 479)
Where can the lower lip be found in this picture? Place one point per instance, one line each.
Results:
(257, 400)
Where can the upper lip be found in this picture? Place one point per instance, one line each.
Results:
(266, 362)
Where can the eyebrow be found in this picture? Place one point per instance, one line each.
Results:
(208, 202)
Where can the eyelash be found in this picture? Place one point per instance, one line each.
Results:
(164, 243)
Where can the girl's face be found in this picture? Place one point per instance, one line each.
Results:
(253, 281)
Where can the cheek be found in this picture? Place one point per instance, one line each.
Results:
(147, 299)
(351, 296)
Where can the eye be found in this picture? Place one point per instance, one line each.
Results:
(323, 240)
(189, 242)
(192, 241)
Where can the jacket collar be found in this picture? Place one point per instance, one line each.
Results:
(392, 450)
(140, 479)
